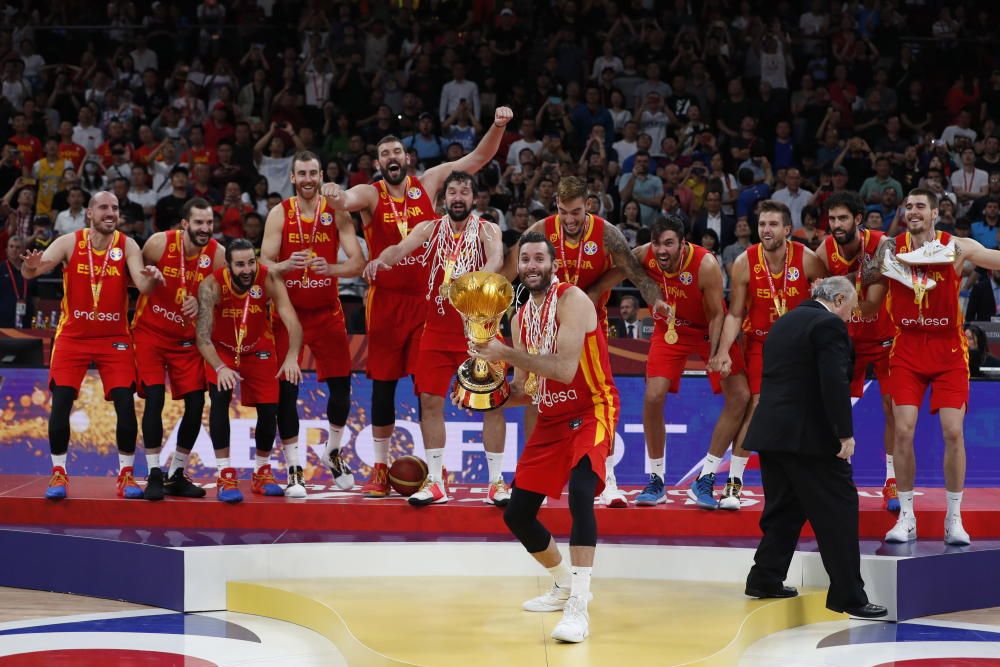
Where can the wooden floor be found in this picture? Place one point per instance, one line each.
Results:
(989, 616)
(17, 604)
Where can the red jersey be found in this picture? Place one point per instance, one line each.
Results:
(592, 391)
(160, 311)
(104, 152)
(229, 313)
(390, 218)
(87, 271)
(790, 283)
(682, 291)
(306, 289)
(75, 153)
(940, 311)
(876, 328)
(142, 153)
(444, 328)
(203, 155)
(30, 147)
(582, 263)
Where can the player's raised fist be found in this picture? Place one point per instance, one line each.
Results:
(502, 116)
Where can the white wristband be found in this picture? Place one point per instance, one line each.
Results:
(219, 368)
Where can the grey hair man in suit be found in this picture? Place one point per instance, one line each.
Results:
(803, 431)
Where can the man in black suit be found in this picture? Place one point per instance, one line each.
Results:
(712, 217)
(803, 431)
(983, 297)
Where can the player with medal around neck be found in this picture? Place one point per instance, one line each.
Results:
(236, 339)
(302, 238)
(929, 350)
(94, 329)
(396, 310)
(782, 270)
(163, 332)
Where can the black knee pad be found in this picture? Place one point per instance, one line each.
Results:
(127, 429)
(218, 417)
(582, 487)
(152, 416)
(521, 517)
(338, 402)
(384, 402)
(287, 410)
(267, 426)
(62, 406)
(187, 432)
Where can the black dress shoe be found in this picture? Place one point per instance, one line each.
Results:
(781, 592)
(866, 611)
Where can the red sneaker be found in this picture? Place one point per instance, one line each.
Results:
(227, 486)
(890, 499)
(127, 488)
(264, 483)
(58, 484)
(377, 485)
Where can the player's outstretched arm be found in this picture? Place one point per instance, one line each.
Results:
(871, 272)
(474, 161)
(618, 248)
(359, 198)
(391, 255)
(493, 242)
(145, 277)
(37, 263)
(973, 251)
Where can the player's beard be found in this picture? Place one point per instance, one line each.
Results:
(846, 237)
(773, 244)
(244, 281)
(388, 174)
(199, 239)
(671, 262)
(539, 284)
(458, 210)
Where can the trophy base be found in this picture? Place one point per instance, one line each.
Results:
(479, 395)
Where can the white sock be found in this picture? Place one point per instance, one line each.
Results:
(291, 451)
(658, 466)
(906, 504)
(177, 462)
(435, 463)
(954, 503)
(737, 465)
(223, 463)
(152, 461)
(333, 443)
(125, 461)
(581, 582)
(382, 450)
(59, 460)
(260, 461)
(562, 575)
(890, 469)
(711, 465)
(494, 461)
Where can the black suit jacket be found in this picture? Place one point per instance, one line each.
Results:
(982, 305)
(728, 234)
(805, 395)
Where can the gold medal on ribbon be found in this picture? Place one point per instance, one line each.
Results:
(403, 227)
(96, 292)
(780, 305)
(531, 385)
(671, 336)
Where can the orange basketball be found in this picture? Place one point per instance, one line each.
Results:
(407, 475)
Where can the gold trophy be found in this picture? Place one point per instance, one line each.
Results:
(481, 298)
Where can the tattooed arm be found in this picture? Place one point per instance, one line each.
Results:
(872, 271)
(208, 297)
(617, 246)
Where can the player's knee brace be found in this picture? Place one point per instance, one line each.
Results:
(288, 410)
(127, 429)
(521, 517)
(582, 487)
(187, 432)
(62, 405)
(267, 426)
(338, 402)
(384, 402)
(218, 417)
(152, 416)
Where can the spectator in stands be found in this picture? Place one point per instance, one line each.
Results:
(276, 165)
(987, 230)
(168, 207)
(644, 188)
(714, 218)
(628, 324)
(979, 350)
(73, 218)
(809, 234)
(750, 194)
(793, 195)
(738, 247)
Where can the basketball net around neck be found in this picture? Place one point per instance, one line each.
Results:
(452, 256)
(541, 330)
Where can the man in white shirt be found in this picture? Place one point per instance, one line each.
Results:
(140, 193)
(142, 57)
(626, 146)
(85, 133)
(653, 120)
(969, 183)
(959, 129)
(276, 166)
(792, 196)
(456, 90)
(527, 140)
(74, 217)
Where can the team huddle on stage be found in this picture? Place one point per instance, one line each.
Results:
(217, 319)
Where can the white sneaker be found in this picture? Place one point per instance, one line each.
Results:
(730, 499)
(343, 478)
(296, 483)
(498, 494)
(934, 252)
(431, 493)
(575, 624)
(904, 531)
(612, 496)
(554, 600)
(954, 533)
(894, 269)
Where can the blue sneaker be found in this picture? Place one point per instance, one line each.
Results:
(58, 484)
(702, 492)
(653, 494)
(228, 487)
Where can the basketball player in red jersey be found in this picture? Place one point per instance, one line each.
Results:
(843, 253)
(588, 247)
(766, 281)
(455, 245)
(163, 332)
(396, 306)
(924, 270)
(236, 339)
(93, 328)
(691, 282)
(560, 359)
(301, 241)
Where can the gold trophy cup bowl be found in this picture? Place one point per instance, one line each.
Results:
(481, 298)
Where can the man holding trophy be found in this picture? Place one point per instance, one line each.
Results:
(452, 246)
(560, 359)
(924, 272)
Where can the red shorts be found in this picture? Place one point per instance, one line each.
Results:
(113, 356)
(395, 322)
(325, 332)
(435, 371)
(157, 358)
(875, 355)
(920, 359)
(556, 446)
(754, 357)
(668, 361)
(258, 370)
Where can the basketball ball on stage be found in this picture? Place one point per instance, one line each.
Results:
(407, 475)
